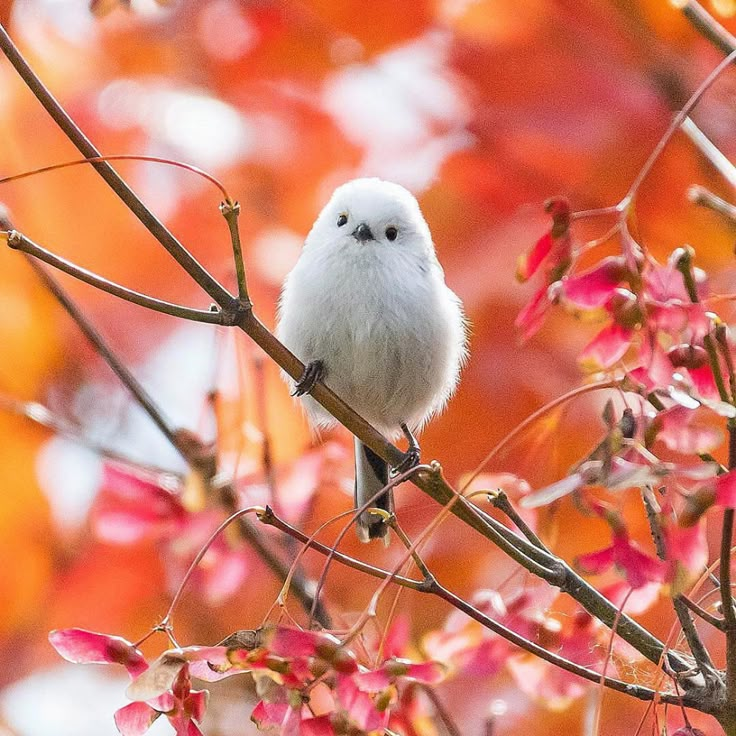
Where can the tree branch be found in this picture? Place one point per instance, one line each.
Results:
(20, 242)
(434, 588)
(708, 27)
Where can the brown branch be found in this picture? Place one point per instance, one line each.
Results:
(702, 613)
(18, 241)
(191, 449)
(728, 610)
(121, 371)
(703, 197)
(708, 27)
(271, 519)
(431, 586)
(450, 725)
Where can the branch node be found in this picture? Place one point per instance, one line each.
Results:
(15, 239)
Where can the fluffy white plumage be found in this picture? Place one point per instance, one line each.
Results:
(368, 298)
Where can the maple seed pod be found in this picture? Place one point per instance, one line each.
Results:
(687, 356)
(318, 666)
(559, 209)
(625, 308)
(343, 662)
(696, 505)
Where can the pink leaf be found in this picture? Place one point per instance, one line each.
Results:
(688, 546)
(726, 490)
(682, 430)
(528, 263)
(319, 726)
(606, 348)
(269, 715)
(197, 703)
(89, 647)
(592, 289)
(531, 317)
(638, 568)
(134, 506)
(595, 563)
(360, 707)
(290, 642)
(135, 719)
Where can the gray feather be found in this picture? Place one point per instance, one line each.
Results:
(371, 475)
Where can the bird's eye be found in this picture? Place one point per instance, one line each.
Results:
(342, 220)
(391, 233)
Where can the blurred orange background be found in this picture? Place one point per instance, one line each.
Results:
(483, 108)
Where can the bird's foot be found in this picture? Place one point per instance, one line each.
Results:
(412, 454)
(313, 371)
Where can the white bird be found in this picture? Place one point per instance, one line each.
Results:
(366, 309)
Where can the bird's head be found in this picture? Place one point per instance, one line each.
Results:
(372, 213)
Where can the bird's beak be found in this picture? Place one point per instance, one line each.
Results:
(362, 233)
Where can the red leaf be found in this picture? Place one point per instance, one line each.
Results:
(606, 348)
(531, 317)
(592, 289)
(89, 647)
(135, 719)
(269, 715)
(528, 263)
(726, 490)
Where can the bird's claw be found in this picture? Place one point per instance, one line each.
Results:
(411, 456)
(411, 460)
(313, 371)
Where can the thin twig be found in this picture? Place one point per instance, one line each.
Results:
(707, 26)
(694, 641)
(702, 613)
(710, 151)
(442, 712)
(729, 612)
(500, 500)
(41, 415)
(703, 197)
(18, 241)
(418, 561)
(677, 121)
(231, 211)
(271, 519)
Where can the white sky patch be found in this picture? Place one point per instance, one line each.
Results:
(204, 131)
(70, 475)
(404, 108)
(69, 18)
(185, 124)
(225, 31)
(69, 700)
(276, 250)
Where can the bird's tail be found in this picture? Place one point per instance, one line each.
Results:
(371, 474)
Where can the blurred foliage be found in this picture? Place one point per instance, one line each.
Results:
(483, 108)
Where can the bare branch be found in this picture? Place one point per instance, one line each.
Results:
(708, 27)
(20, 242)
